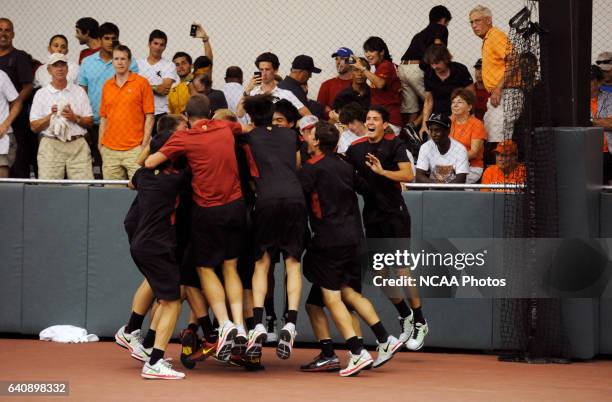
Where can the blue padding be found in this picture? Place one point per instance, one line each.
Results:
(11, 253)
(112, 275)
(55, 257)
(414, 202)
(457, 214)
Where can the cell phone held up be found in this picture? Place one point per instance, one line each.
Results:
(193, 30)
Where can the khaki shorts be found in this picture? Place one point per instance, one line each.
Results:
(57, 159)
(413, 87)
(119, 165)
(7, 160)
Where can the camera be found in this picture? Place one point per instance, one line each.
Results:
(193, 30)
(350, 60)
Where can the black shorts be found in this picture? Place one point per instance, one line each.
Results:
(162, 273)
(396, 226)
(280, 226)
(218, 233)
(188, 269)
(246, 260)
(333, 267)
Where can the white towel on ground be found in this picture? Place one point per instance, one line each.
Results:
(67, 334)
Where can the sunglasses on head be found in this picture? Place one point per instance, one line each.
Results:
(608, 61)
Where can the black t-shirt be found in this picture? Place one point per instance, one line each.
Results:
(330, 183)
(158, 192)
(384, 197)
(441, 90)
(271, 152)
(421, 41)
(217, 100)
(18, 66)
(295, 87)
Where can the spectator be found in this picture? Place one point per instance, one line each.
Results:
(482, 96)
(353, 116)
(179, 93)
(358, 91)
(441, 159)
(330, 88)
(95, 71)
(601, 116)
(604, 62)
(87, 34)
(265, 83)
(126, 118)
(441, 80)
(285, 114)
(469, 131)
(160, 73)
(233, 88)
(412, 67)
(57, 44)
(61, 113)
(17, 64)
(506, 170)
(385, 82)
(301, 71)
(9, 109)
(202, 84)
(306, 125)
(495, 50)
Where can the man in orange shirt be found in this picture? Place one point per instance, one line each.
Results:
(495, 51)
(126, 118)
(507, 170)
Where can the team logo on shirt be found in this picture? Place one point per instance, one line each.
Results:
(158, 73)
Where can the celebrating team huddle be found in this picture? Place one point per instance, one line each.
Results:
(220, 202)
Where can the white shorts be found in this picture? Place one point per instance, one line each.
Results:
(413, 87)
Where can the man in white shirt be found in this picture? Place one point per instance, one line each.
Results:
(160, 73)
(441, 159)
(233, 88)
(264, 83)
(9, 110)
(61, 113)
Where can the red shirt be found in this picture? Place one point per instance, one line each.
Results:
(86, 52)
(389, 96)
(329, 89)
(209, 148)
(482, 97)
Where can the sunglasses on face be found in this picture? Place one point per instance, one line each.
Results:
(608, 61)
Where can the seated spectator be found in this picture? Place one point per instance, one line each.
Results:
(469, 131)
(87, 33)
(441, 159)
(358, 91)
(352, 116)
(57, 44)
(506, 170)
(331, 87)
(202, 84)
(482, 95)
(601, 116)
(441, 80)
(61, 113)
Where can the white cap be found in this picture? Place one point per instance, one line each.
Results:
(308, 121)
(55, 57)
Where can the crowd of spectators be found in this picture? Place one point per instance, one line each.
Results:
(111, 101)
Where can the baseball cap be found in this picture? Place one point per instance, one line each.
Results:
(439, 119)
(506, 147)
(604, 61)
(478, 64)
(55, 57)
(343, 52)
(308, 121)
(303, 62)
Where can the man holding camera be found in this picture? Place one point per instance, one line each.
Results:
(330, 88)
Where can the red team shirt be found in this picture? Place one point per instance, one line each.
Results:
(389, 96)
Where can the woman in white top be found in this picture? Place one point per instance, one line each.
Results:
(57, 44)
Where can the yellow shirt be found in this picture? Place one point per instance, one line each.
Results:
(495, 48)
(178, 96)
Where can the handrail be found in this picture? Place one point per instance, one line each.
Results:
(407, 185)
